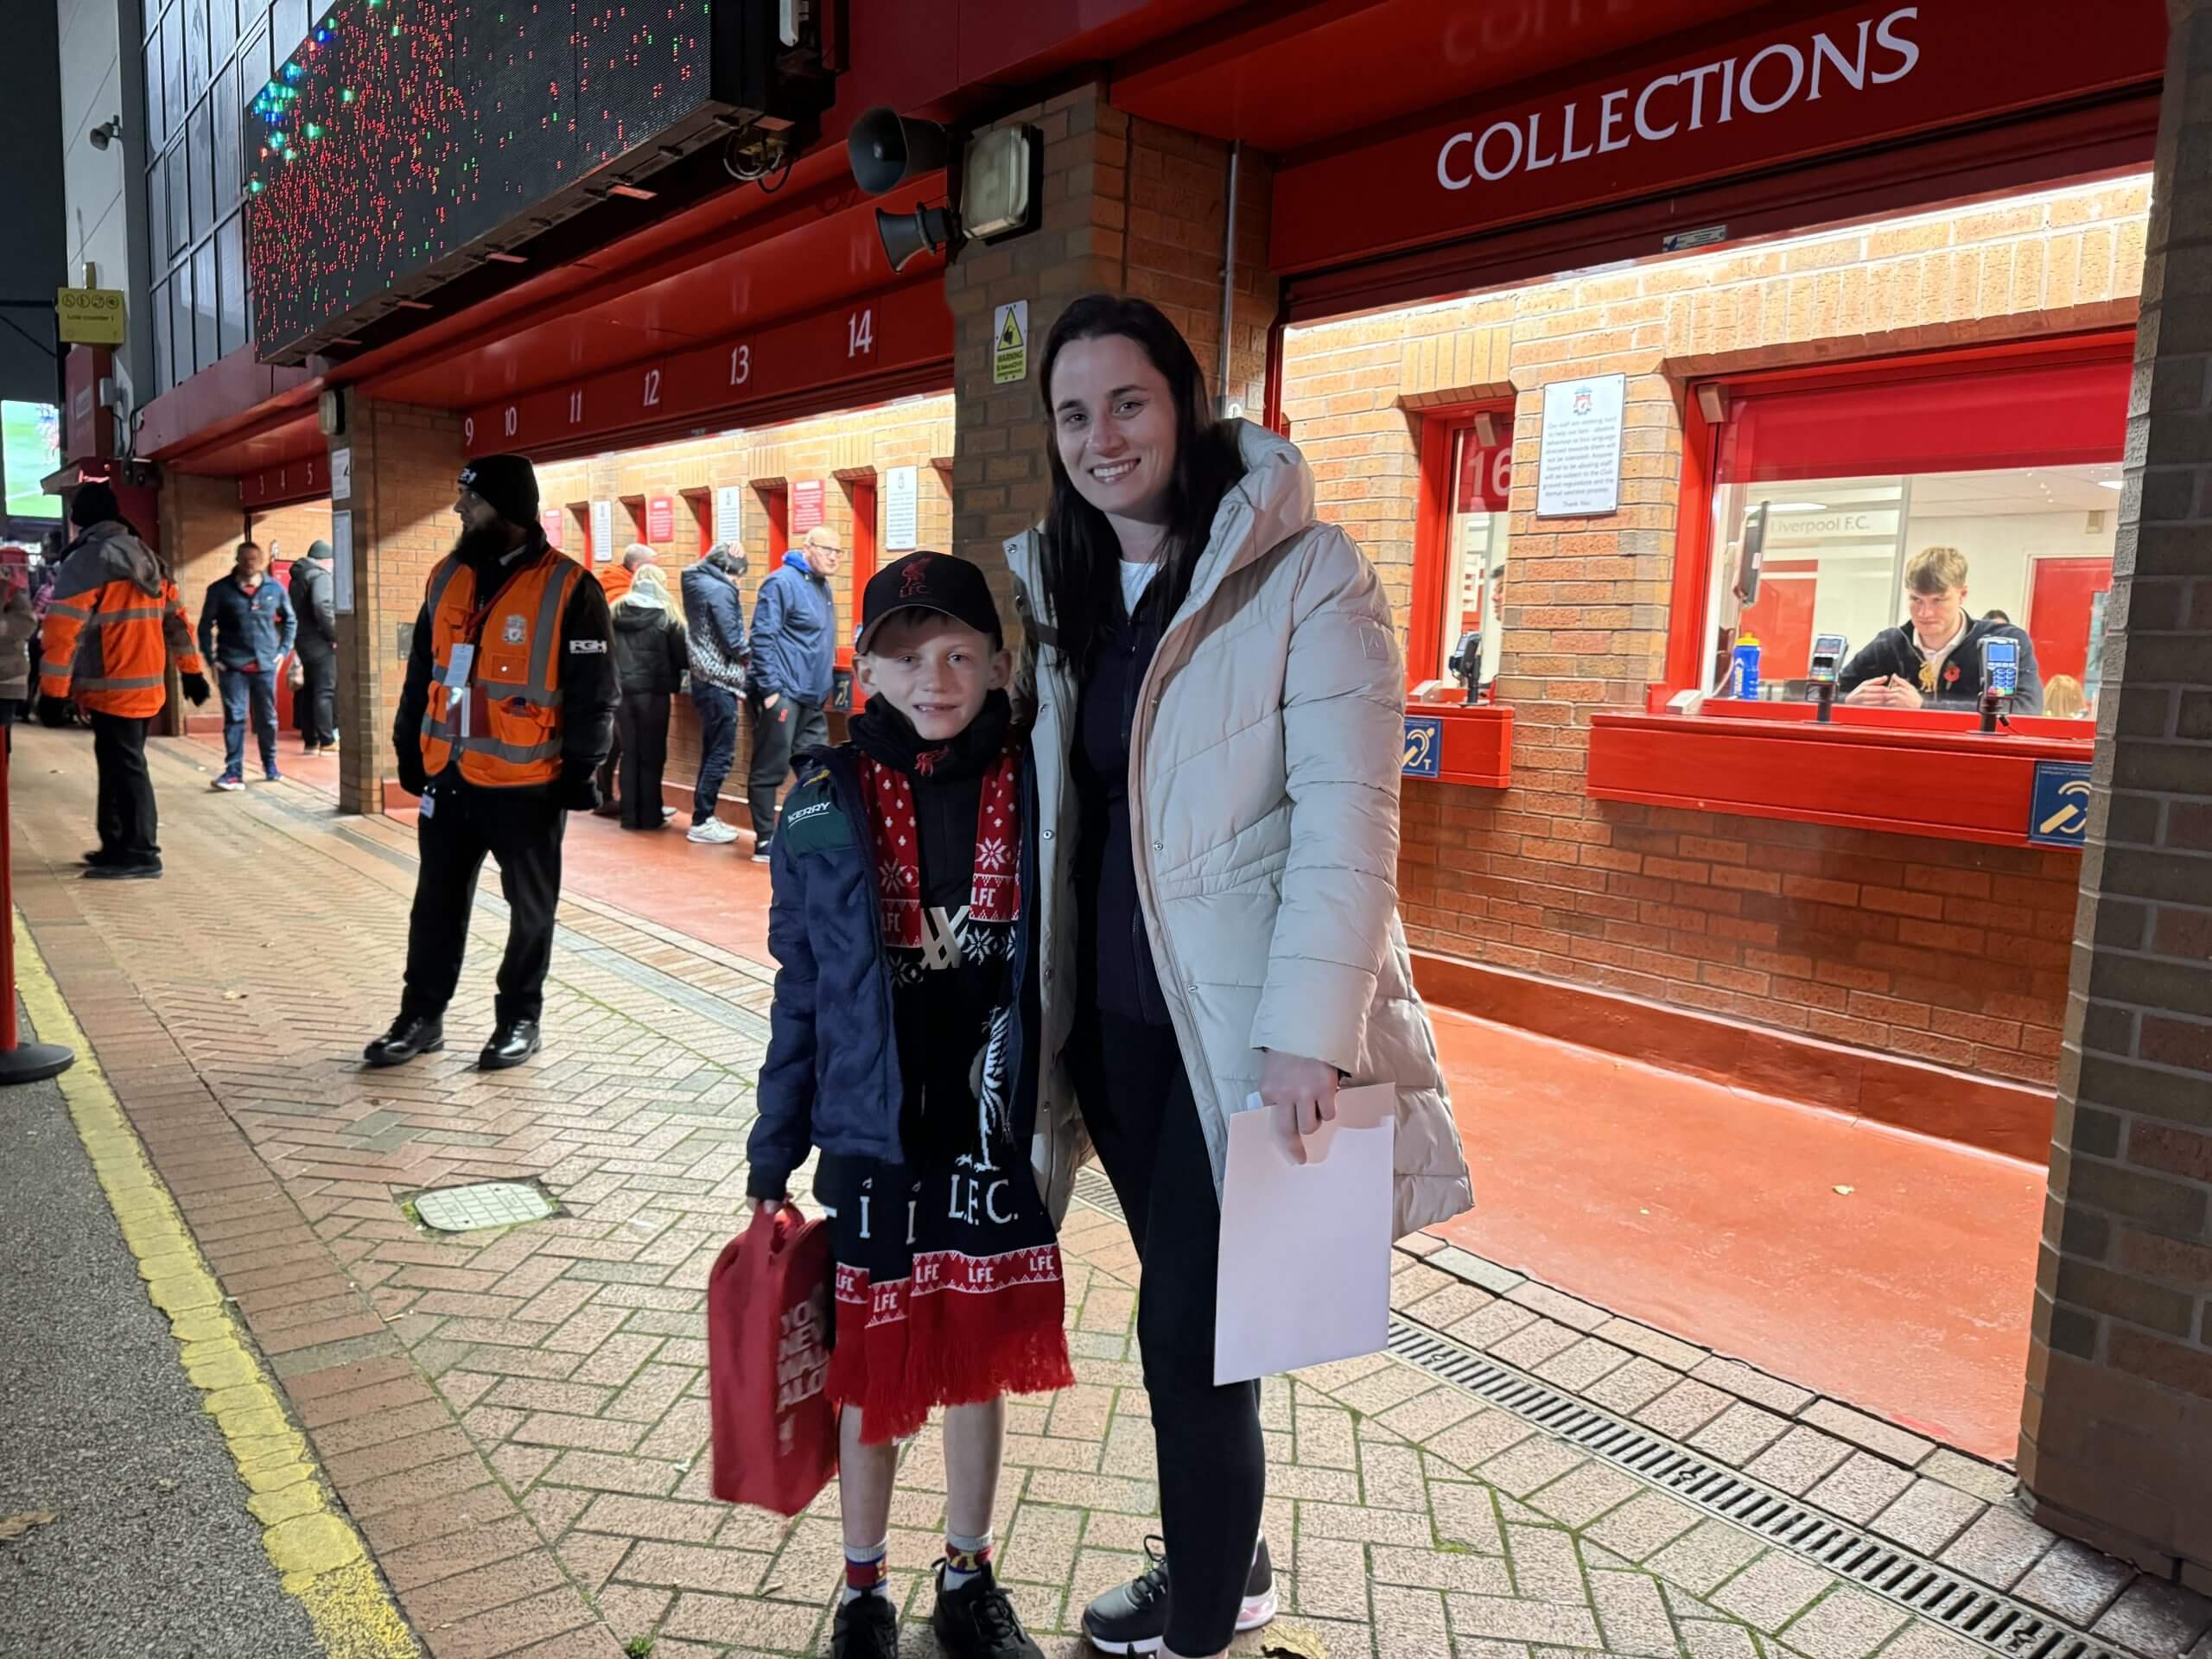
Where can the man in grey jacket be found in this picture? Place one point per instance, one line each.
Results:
(314, 602)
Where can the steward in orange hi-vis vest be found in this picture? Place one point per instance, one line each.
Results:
(114, 627)
(507, 711)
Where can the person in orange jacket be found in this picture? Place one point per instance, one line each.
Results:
(113, 629)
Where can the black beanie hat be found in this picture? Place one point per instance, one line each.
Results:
(94, 504)
(508, 483)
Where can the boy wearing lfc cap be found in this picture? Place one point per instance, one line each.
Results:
(903, 877)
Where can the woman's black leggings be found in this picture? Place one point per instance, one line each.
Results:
(1136, 1103)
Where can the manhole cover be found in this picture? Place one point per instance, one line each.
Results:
(488, 1204)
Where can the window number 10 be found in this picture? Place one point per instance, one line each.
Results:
(860, 333)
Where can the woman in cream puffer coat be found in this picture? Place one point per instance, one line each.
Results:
(1263, 742)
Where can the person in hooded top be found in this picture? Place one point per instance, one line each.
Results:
(650, 654)
(314, 587)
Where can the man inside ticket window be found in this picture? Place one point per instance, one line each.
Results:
(1934, 660)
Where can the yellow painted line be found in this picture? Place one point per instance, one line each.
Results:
(318, 1556)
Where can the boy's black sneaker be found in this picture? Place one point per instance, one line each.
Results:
(1132, 1617)
(866, 1628)
(977, 1621)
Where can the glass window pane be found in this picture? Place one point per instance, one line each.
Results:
(2032, 548)
(157, 215)
(1474, 573)
(225, 103)
(199, 137)
(164, 372)
(205, 329)
(157, 131)
(196, 49)
(254, 68)
(180, 202)
(287, 26)
(180, 320)
(173, 66)
(229, 278)
(222, 35)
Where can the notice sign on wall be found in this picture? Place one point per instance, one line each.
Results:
(660, 518)
(901, 509)
(806, 507)
(728, 516)
(602, 532)
(341, 473)
(342, 562)
(1579, 466)
(1010, 344)
(549, 521)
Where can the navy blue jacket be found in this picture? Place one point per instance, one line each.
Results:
(795, 633)
(1896, 651)
(714, 613)
(240, 630)
(831, 1076)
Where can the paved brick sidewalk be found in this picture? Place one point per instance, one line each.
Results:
(516, 1420)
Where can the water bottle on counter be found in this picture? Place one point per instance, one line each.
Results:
(1744, 673)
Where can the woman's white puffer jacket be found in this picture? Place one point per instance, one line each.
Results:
(1263, 793)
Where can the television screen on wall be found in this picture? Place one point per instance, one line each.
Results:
(404, 142)
(30, 449)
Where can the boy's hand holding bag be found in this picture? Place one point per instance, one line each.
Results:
(768, 1333)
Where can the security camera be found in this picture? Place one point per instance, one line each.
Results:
(107, 133)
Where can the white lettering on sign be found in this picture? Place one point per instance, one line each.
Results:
(1770, 79)
(508, 420)
(576, 408)
(741, 364)
(860, 333)
(652, 388)
(468, 428)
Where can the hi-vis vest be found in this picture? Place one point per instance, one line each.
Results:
(509, 733)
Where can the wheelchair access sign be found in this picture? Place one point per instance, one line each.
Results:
(1424, 756)
(2060, 814)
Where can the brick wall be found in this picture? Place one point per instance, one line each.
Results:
(1129, 206)
(290, 529)
(2116, 1439)
(848, 448)
(1943, 950)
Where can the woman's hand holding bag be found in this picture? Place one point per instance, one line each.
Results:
(1300, 1093)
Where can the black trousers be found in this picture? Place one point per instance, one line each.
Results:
(641, 733)
(779, 734)
(521, 827)
(1136, 1103)
(128, 822)
(316, 709)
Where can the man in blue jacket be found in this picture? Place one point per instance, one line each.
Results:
(247, 629)
(794, 661)
(714, 616)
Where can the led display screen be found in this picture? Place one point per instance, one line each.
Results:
(402, 132)
(30, 448)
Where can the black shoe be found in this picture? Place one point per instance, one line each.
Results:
(123, 869)
(977, 1621)
(1132, 1617)
(410, 1034)
(100, 855)
(866, 1628)
(607, 809)
(512, 1042)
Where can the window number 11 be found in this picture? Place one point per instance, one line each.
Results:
(860, 333)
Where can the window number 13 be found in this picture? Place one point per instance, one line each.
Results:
(860, 333)
(741, 364)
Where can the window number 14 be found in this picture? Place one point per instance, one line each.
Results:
(860, 333)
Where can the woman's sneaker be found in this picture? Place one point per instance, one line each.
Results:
(712, 833)
(866, 1628)
(977, 1621)
(1132, 1617)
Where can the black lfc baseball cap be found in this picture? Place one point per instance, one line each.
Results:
(943, 582)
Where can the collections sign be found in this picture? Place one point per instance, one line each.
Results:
(1864, 74)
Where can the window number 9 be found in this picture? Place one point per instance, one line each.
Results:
(468, 428)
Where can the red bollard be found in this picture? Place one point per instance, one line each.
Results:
(20, 1061)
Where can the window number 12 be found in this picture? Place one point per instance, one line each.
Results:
(652, 388)
(860, 333)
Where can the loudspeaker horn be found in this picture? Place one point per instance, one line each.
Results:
(906, 236)
(887, 148)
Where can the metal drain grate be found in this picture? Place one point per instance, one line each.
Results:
(1935, 1593)
(1972, 1610)
(486, 1204)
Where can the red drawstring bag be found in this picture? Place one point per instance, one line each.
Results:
(775, 1432)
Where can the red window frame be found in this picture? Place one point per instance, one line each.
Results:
(860, 496)
(1440, 433)
(1703, 440)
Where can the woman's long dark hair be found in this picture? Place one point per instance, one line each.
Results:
(1082, 582)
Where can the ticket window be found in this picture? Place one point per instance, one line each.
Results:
(1461, 554)
(1832, 489)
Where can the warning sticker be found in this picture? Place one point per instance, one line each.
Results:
(1010, 343)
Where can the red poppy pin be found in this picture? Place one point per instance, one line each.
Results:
(1950, 673)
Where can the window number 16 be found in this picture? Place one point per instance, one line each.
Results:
(860, 333)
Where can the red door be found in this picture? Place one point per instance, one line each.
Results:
(280, 573)
(1782, 622)
(2060, 595)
